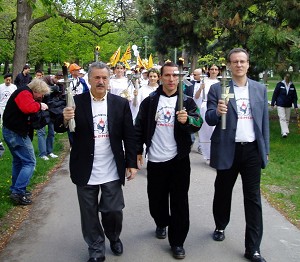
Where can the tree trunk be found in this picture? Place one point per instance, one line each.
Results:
(24, 13)
(194, 62)
(6, 67)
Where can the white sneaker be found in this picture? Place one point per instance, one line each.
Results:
(44, 157)
(53, 155)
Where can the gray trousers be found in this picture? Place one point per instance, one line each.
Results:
(110, 205)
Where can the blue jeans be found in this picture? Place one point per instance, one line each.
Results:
(45, 144)
(24, 161)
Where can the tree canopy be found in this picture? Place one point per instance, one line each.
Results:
(269, 30)
(53, 31)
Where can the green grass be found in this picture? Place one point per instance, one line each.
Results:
(41, 174)
(281, 178)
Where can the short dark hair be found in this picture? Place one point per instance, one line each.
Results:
(237, 50)
(7, 75)
(39, 71)
(170, 64)
(59, 73)
(26, 67)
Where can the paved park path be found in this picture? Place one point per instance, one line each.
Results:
(52, 232)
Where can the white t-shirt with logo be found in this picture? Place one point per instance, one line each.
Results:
(104, 165)
(245, 129)
(5, 93)
(163, 146)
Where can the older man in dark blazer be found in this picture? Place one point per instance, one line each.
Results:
(242, 147)
(98, 162)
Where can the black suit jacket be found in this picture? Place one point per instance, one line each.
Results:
(120, 126)
(189, 90)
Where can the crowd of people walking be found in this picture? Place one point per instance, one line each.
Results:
(126, 117)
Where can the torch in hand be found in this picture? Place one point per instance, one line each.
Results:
(225, 94)
(203, 84)
(70, 98)
(180, 86)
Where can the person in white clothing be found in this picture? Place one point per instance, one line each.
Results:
(6, 89)
(206, 130)
(146, 90)
(144, 78)
(122, 86)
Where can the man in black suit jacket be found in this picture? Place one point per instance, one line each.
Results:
(97, 160)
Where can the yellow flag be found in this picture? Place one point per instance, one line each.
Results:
(150, 61)
(140, 62)
(127, 55)
(127, 66)
(115, 57)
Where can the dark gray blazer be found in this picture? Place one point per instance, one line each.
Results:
(223, 141)
(121, 133)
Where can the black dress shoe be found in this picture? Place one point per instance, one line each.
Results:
(28, 193)
(218, 235)
(254, 256)
(116, 247)
(96, 259)
(178, 252)
(20, 199)
(161, 232)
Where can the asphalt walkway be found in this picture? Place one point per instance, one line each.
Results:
(52, 232)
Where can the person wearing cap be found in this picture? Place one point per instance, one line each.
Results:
(24, 77)
(77, 84)
(144, 78)
(83, 74)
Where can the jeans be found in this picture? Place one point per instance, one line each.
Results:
(24, 161)
(45, 144)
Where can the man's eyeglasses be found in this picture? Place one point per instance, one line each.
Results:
(241, 62)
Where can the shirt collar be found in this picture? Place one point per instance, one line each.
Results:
(235, 85)
(98, 99)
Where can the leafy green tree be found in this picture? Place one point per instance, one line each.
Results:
(268, 29)
(98, 17)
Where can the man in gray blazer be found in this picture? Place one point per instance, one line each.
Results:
(242, 147)
(98, 162)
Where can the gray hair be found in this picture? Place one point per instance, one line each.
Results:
(39, 86)
(98, 65)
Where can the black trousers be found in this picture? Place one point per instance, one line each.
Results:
(247, 162)
(168, 186)
(110, 205)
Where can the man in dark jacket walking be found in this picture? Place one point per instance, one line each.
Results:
(284, 96)
(167, 135)
(103, 152)
(24, 77)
